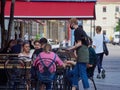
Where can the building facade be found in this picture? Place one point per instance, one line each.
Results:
(107, 15)
(28, 19)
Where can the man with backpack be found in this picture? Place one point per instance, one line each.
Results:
(81, 48)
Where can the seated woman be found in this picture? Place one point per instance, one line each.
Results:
(8, 48)
(46, 63)
(37, 50)
(39, 45)
(26, 55)
(25, 52)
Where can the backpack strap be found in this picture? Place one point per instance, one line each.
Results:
(50, 63)
(42, 61)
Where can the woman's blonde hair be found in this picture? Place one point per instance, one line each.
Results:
(47, 48)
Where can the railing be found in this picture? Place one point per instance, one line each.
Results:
(5, 57)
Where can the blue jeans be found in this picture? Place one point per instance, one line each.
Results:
(78, 72)
(99, 61)
(47, 79)
(48, 86)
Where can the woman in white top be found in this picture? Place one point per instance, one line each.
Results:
(25, 49)
(98, 46)
(26, 55)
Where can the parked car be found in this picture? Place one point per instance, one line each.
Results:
(53, 43)
(116, 38)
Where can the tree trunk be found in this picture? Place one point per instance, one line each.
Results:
(3, 35)
(11, 20)
(0, 12)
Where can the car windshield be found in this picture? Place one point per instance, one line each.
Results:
(117, 36)
(52, 42)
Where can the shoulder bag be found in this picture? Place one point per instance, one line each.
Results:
(105, 49)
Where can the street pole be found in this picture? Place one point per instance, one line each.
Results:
(119, 36)
(119, 28)
(94, 28)
(91, 29)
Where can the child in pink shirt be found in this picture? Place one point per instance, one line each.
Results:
(49, 56)
(48, 59)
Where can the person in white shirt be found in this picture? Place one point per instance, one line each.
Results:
(98, 46)
(26, 55)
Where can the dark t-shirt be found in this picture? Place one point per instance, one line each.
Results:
(37, 51)
(92, 56)
(80, 34)
(16, 48)
(33, 69)
(82, 51)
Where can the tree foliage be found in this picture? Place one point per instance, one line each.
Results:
(118, 26)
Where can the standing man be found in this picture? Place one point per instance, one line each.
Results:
(82, 52)
(98, 46)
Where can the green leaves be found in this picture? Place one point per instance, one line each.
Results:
(118, 26)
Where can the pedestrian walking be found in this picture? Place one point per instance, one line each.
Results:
(81, 48)
(98, 46)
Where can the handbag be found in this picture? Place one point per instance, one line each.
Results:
(105, 49)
